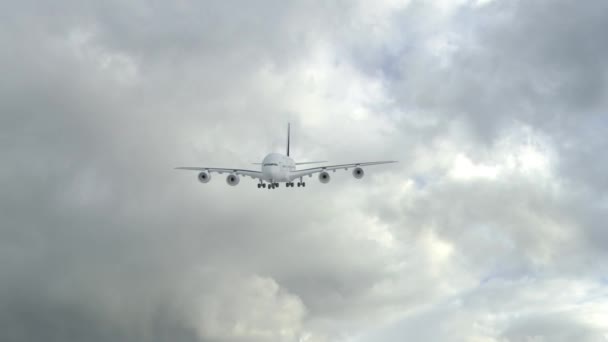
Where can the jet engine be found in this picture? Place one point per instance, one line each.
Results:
(204, 177)
(358, 173)
(233, 179)
(324, 177)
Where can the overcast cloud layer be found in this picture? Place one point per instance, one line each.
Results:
(491, 228)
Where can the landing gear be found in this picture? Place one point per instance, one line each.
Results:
(301, 183)
(274, 185)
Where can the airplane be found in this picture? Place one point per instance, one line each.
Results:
(278, 168)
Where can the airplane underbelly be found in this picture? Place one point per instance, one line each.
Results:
(284, 177)
(267, 174)
(279, 176)
(274, 174)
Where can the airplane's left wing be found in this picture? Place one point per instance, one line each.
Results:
(311, 171)
(240, 172)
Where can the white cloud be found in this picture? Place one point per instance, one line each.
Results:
(243, 308)
(118, 66)
(489, 229)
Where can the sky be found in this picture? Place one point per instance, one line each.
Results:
(491, 228)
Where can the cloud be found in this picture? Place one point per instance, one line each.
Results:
(505, 310)
(489, 229)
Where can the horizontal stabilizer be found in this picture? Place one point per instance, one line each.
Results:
(314, 162)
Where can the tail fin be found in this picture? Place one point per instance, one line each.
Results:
(288, 133)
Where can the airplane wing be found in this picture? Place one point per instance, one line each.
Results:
(311, 171)
(240, 172)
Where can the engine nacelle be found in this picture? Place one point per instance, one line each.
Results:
(358, 173)
(233, 179)
(204, 177)
(324, 177)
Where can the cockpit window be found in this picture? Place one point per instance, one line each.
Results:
(271, 164)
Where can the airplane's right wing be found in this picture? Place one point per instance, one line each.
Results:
(240, 172)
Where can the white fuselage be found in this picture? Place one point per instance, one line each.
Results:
(277, 168)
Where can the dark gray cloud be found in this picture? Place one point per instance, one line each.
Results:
(490, 228)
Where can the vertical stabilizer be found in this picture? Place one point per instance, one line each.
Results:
(288, 133)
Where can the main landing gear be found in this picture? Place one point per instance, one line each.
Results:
(301, 183)
(274, 185)
(270, 185)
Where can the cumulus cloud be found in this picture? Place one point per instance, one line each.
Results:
(489, 229)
